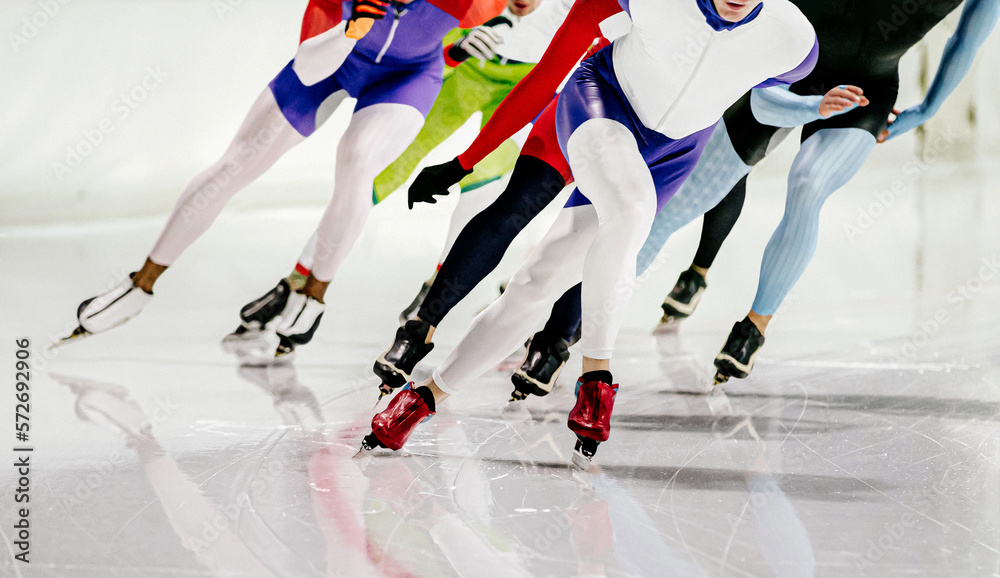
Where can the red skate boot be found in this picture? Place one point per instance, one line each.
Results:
(392, 427)
(590, 418)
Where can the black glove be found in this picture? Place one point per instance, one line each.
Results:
(374, 9)
(364, 13)
(435, 181)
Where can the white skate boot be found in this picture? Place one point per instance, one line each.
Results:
(109, 309)
(299, 321)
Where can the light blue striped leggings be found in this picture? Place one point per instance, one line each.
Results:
(825, 162)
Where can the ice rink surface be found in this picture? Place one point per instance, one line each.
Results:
(866, 442)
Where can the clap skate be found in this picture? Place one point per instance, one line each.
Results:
(392, 427)
(396, 364)
(299, 320)
(108, 310)
(682, 300)
(737, 356)
(543, 361)
(251, 341)
(590, 418)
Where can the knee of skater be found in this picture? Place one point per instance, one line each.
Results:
(630, 216)
(357, 161)
(808, 183)
(526, 290)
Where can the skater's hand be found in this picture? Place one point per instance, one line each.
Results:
(364, 13)
(842, 99)
(481, 43)
(904, 122)
(435, 181)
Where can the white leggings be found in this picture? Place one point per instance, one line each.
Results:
(262, 139)
(375, 137)
(610, 171)
(596, 244)
(469, 205)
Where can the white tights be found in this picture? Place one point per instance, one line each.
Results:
(376, 136)
(262, 139)
(596, 243)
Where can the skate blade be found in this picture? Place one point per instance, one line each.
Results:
(255, 351)
(259, 358)
(667, 326)
(515, 412)
(720, 379)
(77, 334)
(580, 461)
(383, 390)
(282, 355)
(369, 444)
(234, 345)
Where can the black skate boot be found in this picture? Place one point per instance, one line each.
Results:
(737, 356)
(540, 369)
(299, 320)
(396, 364)
(255, 316)
(410, 313)
(684, 297)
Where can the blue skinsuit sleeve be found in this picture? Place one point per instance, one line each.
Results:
(778, 106)
(978, 19)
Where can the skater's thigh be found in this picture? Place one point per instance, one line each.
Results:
(376, 136)
(826, 161)
(556, 263)
(265, 130)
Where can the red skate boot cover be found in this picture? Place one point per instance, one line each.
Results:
(393, 426)
(591, 416)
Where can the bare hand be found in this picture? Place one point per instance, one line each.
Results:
(840, 99)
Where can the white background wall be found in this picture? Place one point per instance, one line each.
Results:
(149, 92)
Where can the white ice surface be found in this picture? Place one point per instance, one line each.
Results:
(874, 458)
